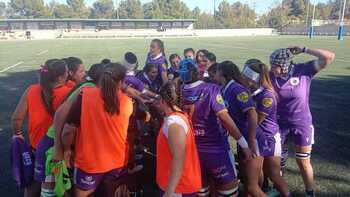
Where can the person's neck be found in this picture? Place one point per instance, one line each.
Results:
(58, 84)
(170, 111)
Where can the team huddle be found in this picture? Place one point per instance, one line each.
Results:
(114, 129)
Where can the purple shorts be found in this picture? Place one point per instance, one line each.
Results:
(302, 135)
(161, 193)
(40, 159)
(90, 181)
(220, 167)
(269, 146)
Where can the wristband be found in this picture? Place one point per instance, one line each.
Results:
(242, 142)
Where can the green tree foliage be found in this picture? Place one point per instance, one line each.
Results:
(102, 9)
(28, 8)
(237, 15)
(234, 15)
(2, 10)
(78, 9)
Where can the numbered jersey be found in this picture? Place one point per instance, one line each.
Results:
(204, 101)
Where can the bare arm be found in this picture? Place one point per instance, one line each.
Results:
(232, 129)
(19, 114)
(58, 124)
(261, 117)
(68, 136)
(252, 124)
(324, 57)
(164, 76)
(229, 124)
(177, 144)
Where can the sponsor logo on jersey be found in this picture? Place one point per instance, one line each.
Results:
(267, 102)
(219, 99)
(243, 97)
(294, 81)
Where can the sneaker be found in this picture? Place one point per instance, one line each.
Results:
(273, 193)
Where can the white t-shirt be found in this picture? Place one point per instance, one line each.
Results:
(174, 119)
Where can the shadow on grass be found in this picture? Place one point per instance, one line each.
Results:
(330, 106)
(12, 86)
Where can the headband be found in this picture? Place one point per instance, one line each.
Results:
(251, 74)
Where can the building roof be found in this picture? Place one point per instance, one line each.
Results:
(96, 20)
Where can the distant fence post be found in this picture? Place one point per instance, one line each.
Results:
(311, 32)
(341, 32)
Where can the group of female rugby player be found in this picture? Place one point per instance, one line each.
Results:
(85, 125)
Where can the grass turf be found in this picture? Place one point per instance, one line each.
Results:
(330, 95)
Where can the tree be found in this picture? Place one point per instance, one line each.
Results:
(102, 9)
(2, 10)
(28, 8)
(78, 8)
(298, 8)
(62, 11)
(224, 15)
(130, 9)
(148, 10)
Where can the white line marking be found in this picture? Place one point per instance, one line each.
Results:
(42, 52)
(8, 68)
(342, 60)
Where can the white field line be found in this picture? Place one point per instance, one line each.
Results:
(12, 66)
(42, 52)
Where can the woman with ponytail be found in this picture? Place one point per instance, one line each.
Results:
(157, 57)
(178, 168)
(39, 103)
(204, 103)
(76, 71)
(102, 114)
(242, 109)
(256, 75)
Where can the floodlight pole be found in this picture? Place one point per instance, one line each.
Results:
(341, 23)
(307, 13)
(117, 8)
(312, 29)
(214, 13)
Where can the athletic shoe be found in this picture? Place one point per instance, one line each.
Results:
(273, 193)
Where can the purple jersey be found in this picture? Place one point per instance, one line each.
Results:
(207, 101)
(22, 162)
(238, 101)
(266, 103)
(293, 95)
(153, 86)
(134, 82)
(160, 61)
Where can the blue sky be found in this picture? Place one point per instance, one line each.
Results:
(261, 6)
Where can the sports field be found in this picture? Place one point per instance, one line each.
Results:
(330, 94)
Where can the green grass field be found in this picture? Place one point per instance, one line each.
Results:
(330, 95)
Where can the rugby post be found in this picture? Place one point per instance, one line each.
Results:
(341, 22)
(312, 28)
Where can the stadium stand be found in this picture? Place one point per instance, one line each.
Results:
(323, 30)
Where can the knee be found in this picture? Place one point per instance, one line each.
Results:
(252, 189)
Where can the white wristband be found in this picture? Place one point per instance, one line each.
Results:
(242, 142)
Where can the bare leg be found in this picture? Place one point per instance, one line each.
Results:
(272, 170)
(305, 167)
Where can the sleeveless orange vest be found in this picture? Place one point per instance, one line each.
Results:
(190, 181)
(101, 142)
(39, 120)
(70, 84)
